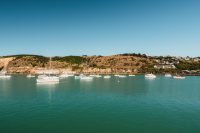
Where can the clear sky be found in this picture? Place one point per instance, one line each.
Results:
(100, 27)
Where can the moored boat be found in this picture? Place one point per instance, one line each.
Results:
(122, 76)
(41, 76)
(107, 77)
(150, 76)
(3, 75)
(65, 75)
(96, 76)
(178, 77)
(168, 75)
(77, 77)
(131, 75)
(48, 79)
(44, 79)
(30, 76)
(86, 78)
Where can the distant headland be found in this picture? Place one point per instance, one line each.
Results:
(128, 63)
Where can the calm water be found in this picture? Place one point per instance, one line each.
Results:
(101, 106)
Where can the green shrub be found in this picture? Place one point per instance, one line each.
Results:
(70, 59)
(185, 65)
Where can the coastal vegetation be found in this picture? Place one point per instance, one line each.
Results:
(70, 59)
(188, 65)
(134, 54)
(29, 60)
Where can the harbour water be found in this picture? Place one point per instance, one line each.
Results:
(125, 105)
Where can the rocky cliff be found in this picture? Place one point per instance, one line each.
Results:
(4, 62)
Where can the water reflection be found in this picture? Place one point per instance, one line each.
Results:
(48, 90)
(20, 86)
(47, 85)
(17, 86)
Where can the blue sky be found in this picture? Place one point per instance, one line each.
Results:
(100, 27)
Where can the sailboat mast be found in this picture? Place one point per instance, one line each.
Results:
(50, 62)
(49, 65)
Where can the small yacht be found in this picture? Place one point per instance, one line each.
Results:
(3, 72)
(150, 76)
(131, 75)
(65, 75)
(168, 75)
(42, 76)
(96, 76)
(116, 75)
(107, 77)
(30, 76)
(122, 76)
(86, 78)
(178, 77)
(48, 79)
(4, 76)
(77, 77)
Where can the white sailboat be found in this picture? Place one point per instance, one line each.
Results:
(30, 76)
(3, 75)
(178, 77)
(122, 76)
(87, 78)
(65, 75)
(168, 75)
(77, 77)
(96, 76)
(107, 77)
(41, 76)
(47, 78)
(150, 76)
